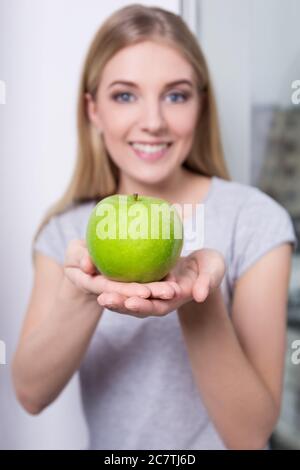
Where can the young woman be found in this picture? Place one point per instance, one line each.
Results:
(191, 362)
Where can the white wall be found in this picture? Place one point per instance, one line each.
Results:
(275, 44)
(253, 51)
(42, 46)
(224, 36)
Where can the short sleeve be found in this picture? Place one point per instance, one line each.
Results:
(50, 241)
(262, 224)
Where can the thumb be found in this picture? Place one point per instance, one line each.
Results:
(86, 265)
(201, 287)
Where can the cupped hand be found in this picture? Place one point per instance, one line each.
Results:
(80, 270)
(193, 278)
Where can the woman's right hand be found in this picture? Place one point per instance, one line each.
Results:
(80, 270)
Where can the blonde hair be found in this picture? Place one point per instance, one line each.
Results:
(95, 174)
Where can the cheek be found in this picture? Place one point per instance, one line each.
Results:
(117, 121)
(119, 116)
(182, 122)
(115, 127)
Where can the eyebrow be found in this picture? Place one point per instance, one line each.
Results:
(168, 85)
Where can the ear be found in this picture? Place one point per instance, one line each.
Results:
(92, 110)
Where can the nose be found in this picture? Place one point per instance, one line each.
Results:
(152, 118)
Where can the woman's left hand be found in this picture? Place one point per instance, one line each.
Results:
(194, 277)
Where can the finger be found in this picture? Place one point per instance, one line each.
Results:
(116, 302)
(176, 287)
(152, 307)
(201, 287)
(98, 284)
(74, 253)
(111, 300)
(87, 265)
(170, 277)
(77, 256)
(129, 289)
(173, 281)
(162, 289)
(80, 279)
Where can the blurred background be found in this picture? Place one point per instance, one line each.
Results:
(253, 51)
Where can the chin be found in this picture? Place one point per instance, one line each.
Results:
(156, 177)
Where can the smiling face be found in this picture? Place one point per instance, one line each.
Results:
(149, 109)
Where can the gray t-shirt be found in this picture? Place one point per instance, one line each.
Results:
(137, 385)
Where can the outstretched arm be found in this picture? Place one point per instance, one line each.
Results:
(238, 363)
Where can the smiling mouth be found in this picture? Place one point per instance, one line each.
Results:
(149, 146)
(150, 152)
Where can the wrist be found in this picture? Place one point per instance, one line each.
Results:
(193, 311)
(70, 292)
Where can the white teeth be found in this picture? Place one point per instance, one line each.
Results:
(149, 148)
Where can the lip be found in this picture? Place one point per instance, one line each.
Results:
(150, 143)
(151, 157)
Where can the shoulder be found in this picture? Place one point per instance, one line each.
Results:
(259, 223)
(240, 193)
(246, 201)
(70, 224)
(74, 218)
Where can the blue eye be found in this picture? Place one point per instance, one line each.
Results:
(118, 95)
(183, 97)
(124, 97)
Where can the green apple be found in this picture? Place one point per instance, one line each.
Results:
(133, 238)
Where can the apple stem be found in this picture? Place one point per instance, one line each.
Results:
(135, 195)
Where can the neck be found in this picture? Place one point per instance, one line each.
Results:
(169, 190)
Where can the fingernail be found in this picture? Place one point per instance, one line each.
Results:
(131, 305)
(144, 293)
(167, 295)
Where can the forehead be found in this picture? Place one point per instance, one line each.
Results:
(147, 61)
